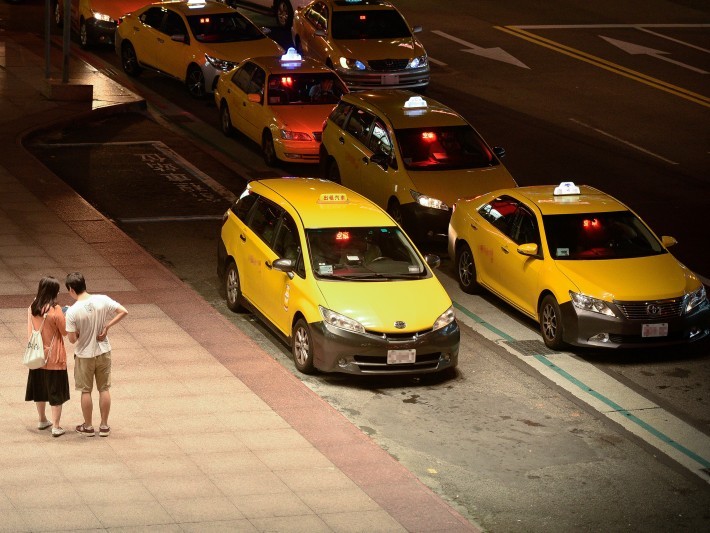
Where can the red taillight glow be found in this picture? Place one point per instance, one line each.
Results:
(287, 80)
(363, 17)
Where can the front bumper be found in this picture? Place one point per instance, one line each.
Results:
(361, 80)
(581, 328)
(100, 31)
(337, 350)
(424, 224)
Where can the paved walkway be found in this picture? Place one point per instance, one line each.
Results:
(208, 432)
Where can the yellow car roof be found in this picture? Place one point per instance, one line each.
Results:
(274, 65)
(323, 204)
(192, 7)
(588, 200)
(390, 103)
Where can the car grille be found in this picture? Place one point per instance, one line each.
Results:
(388, 64)
(401, 337)
(373, 364)
(317, 135)
(657, 309)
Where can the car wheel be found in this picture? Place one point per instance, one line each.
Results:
(83, 35)
(195, 82)
(302, 347)
(284, 14)
(466, 269)
(129, 60)
(395, 211)
(268, 150)
(58, 14)
(551, 322)
(232, 287)
(333, 172)
(226, 120)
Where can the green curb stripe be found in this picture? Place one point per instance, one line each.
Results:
(633, 418)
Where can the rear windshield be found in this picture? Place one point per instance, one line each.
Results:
(223, 28)
(369, 24)
(616, 235)
(443, 148)
(304, 89)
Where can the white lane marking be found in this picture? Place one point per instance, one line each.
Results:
(674, 40)
(636, 49)
(622, 141)
(605, 26)
(497, 54)
(437, 62)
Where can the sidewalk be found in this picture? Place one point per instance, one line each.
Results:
(208, 432)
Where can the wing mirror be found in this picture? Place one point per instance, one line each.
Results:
(417, 29)
(529, 249)
(668, 241)
(380, 159)
(254, 97)
(499, 151)
(432, 260)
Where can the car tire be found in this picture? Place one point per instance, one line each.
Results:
(232, 288)
(195, 81)
(129, 60)
(395, 211)
(225, 120)
(466, 270)
(551, 323)
(267, 149)
(284, 14)
(84, 40)
(333, 172)
(302, 347)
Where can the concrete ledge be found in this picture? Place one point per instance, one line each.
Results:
(74, 92)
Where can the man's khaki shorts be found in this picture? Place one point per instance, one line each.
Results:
(86, 369)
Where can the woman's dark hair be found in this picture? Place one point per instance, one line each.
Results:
(76, 281)
(47, 292)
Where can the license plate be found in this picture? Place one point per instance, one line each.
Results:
(390, 79)
(398, 357)
(654, 330)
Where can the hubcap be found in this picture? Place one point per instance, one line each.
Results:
(465, 271)
(301, 346)
(194, 83)
(225, 119)
(232, 286)
(549, 322)
(282, 14)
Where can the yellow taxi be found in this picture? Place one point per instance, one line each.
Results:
(367, 42)
(190, 40)
(411, 155)
(579, 262)
(337, 279)
(95, 20)
(279, 102)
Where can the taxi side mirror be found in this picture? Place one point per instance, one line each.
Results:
(529, 248)
(432, 260)
(178, 38)
(254, 97)
(417, 29)
(499, 151)
(319, 33)
(266, 30)
(380, 159)
(284, 265)
(668, 241)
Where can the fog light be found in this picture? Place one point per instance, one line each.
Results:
(694, 331)
(447, 357)
(600, 337)
(342, 363)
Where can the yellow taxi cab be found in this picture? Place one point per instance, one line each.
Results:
(336, 279)
(579, 262)
(279, 102)
(95, 20)
(410, 155)
(190, 40)
(367, 42)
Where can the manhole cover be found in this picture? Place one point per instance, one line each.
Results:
(530, 347)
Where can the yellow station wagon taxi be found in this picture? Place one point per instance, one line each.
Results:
(279, 102)
(579, 262)
(410, 155)
(337, 279)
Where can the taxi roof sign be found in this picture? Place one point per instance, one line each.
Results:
(415, 102)
(291, 56)
(333, 198)
(566, 188)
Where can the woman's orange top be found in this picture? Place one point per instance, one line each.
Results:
(54, 326)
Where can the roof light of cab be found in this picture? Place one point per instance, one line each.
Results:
(333, 198)
(415, 102)
(291, 55)
(566, 188)
(195, 3)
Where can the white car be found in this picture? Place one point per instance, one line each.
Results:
(282, 9)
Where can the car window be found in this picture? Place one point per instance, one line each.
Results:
(317, 14)
(243, 205)
(223, 28)
(379, 140)
(242, 76)
(288, 244)
(301, 88)
(256, 84)
(369, 24)
(359, 124)
(174, 25)
(523, 227)
(153, 17)
(264, 219)
(499, 212)
(340, 113)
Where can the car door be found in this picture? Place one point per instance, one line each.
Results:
(491, 222)
(313, 45)
(352, 152)
(236, 94)
(145, 35)
(258, 239)
(172, 45)
(252, 112)
(379, 176)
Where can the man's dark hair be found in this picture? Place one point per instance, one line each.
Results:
(76, 281)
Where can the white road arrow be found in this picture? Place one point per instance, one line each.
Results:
(637, 49)
(498, 54)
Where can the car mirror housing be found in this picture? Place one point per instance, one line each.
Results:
(499, 151)
(284, 265)
(432, 260)
(529, 248)
(380, 159)
(254, 97)
(417, 29)
(178, 38)
(668, 241)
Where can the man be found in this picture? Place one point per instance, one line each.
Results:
(87, 323)
(322, 92)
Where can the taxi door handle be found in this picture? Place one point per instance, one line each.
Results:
(161, 41)
(341, 140)
(473, 226)
(243, 237)
(268, 264)
(366, 160)
(505, 249)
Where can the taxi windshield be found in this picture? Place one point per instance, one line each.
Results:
(369, 24)
(223, 28)
(443, 148)
(615, 235)
(304, 89)
(372, 253)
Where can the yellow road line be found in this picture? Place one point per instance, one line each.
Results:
(607, 65)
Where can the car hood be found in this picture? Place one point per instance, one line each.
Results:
(377, 305)
(365, 49)
(644, 278)
(116, 9)
(238, 51)
(450, 185)
(308, 118)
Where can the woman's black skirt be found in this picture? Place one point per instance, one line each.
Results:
(47, 386)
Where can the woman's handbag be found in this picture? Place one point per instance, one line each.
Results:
(35, 356)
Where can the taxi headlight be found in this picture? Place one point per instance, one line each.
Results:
(418, 62)
(428, 201)
(351, 64)
(102, 17)
(295, 135)
(220, 64)
(339, 321)
(695, 298)
(446, 318)
(587, 303)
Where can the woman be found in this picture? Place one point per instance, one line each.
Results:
(51, 382)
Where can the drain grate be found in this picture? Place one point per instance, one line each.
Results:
(530, 347)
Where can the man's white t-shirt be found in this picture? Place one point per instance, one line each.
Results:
(88, 317)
